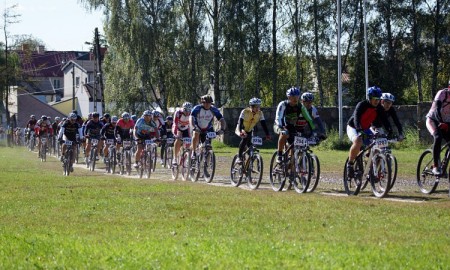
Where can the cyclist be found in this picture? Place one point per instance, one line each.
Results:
(201, 119)
(107, 133)
(106, 118)
(307, 101)
(365, 114)
(134, 118)
(145, 129)
(387, 99)
(438, 121)
(161, 126)
(181, 127)
(248, 119)
(123, 130)
(69, 130)
(92, 131)
(291, 117)
(43, 128)
(55, 124)
(30, 126)
(169, 134)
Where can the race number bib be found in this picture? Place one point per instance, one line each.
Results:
(300, 141)
(211, 135)
(257, 140)
(381, 143)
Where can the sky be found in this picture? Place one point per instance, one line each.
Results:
(63, 25)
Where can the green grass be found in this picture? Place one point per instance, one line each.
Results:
(91, 220)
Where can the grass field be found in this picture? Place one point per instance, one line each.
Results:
(91, 220)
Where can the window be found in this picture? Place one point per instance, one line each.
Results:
(77, 81)
(56, 84)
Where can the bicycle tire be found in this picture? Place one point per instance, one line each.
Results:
(426, 180)
(154, 157)
(128, 162)
(185, 163)
(380, 179)
(352, 185)
(148, 167)
(113, 159)
(315, 175)
(92, 160)
(168, 157)
(175, 169)
(194, 167)
(236, 172)
(303, 176)
(394, 166)
(43, 153)
(255, 171)
(209, 166)
(277, 174)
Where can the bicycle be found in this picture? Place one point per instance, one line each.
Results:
(295, 166)
(374, 167)
(204, 161)
(315, 165)
(426, 180)
(168, 153)
(146, 161)
(111, 160)
(91, 160)
(124, 157)
(32, 141)
(67, 159)
(185, 160)
(251, 166)
(43, 148)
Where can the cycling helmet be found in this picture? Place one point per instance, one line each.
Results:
(187, 106)
(44, 117)
(254, 101)
(293, 91)
(207, 99)
(90, 116)
(156, 113)
(169, 118)
(64, 119)
(388, 96)
(147, 112)
(73, 116)
(114, 119)
(106, 115)
(134, 117)
(32, 116)
(95, 115)
(125, 115)
(373, 92)
(57, 118)
(307, 96)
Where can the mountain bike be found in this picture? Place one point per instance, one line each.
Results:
(124, 157)
(91, 160)
(67, 159)
(183, 164)
(295, 166)
(426, 180)
(111, 160)
(371, 165)
(315, 164)
(146, 161)
(168, 153)
(204, 163)
(43, 148)
(251, 166)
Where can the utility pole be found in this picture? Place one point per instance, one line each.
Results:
(99, 73)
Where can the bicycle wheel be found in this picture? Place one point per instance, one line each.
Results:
(194, 167)
(184, 165)
(392, 160)
(121, 162)
(92, 160)
(147, 167)
(426, 180)
(352, 185)
(43, 153)
(142, 165)
(236, 172)
(303, 172)
(128, 162)
(113, 160)
(277, 173)
(175, 168)
(255, 171)
(380, 175)
(315, 173)
(168, 157)
(154, 156)
(209, 167)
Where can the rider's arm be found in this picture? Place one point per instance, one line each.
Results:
(359, 110)
(397, 122)
(61, 133)
(308, 118)
(279, 117)
(219, 116)
(193, 117)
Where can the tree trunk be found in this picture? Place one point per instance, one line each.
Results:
(417, 53)
(217, 98)
(274, 52)
(435, 53)
(316, 45)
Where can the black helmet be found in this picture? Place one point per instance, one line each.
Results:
(95, 115)
(106, 115)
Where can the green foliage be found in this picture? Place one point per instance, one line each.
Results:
(334, 143)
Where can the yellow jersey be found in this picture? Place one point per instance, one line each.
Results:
(250, 119)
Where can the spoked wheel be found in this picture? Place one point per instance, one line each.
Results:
(147, 167)
(426, 180)
(380, 176)
(113, 160)
(43, 153)
(392, 161)
(153, 159)
(194, 168)
(92, 160)
(120, 163)
(142, 166)
(303, 175)
(184, 165)
(209, 167)
(255, 172)
(352, 185)
(128, 162)
(315, 173)
(277, 174)
(236, 172)
(175, 169)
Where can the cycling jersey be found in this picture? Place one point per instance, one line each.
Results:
(365, 114)
(161, 126)
(92, 129)
(250, 119)
(391, 113)
(31, 123)
(69, 130)
(440, 109)
(107, 131)
(293, 116)
(181, 121)
(316, 118)
(43, 127)
(144, 130)
(203, 119)
(123, 128)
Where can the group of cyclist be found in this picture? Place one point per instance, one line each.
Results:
(294, 115)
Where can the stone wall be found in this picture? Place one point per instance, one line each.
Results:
(410, 115)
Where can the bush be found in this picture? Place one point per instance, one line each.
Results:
(334, 143)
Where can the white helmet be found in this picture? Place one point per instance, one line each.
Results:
(388, 96)
(187, 106)
(254, 101)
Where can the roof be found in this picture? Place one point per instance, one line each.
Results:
(84, 65)
(28, 105)
(48, 63)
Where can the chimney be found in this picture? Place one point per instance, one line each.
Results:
(41, 49)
